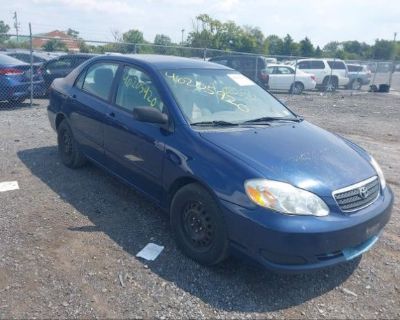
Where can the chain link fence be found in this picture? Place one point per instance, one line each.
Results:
(27, 69)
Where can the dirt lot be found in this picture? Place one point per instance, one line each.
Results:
(68, 239)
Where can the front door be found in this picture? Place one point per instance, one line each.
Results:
(135, 149)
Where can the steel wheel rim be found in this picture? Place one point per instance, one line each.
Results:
(198, 226)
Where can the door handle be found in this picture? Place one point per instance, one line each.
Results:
(111, 114)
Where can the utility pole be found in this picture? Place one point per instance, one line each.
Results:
(393, 59)
(183, 31)
(16, 23)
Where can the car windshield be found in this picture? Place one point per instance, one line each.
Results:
(212, 95)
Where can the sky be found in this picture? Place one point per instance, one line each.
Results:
(320, 20)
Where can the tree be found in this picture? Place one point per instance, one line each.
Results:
(4, 28)
(331, 48)
(73, 33)
(55, 45)
(318, 52)
(274, 45)
(132, 36)
(289, 47)
(163, 40)
(306, 48)
(382, 49)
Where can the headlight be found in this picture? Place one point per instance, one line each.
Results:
(284, 197)
(379, 172)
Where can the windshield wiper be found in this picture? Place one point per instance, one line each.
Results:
(216, 123)
(270, 119)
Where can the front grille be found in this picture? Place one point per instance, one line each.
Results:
(357, 196)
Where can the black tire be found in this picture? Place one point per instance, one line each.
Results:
(330, 84)
(68, 148)
(198, 225)
(296, 88)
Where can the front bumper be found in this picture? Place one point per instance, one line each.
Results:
(305, 243)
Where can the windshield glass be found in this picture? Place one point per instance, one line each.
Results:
(206, 95)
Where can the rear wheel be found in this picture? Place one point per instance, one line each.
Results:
(198, 225)
(68, 147)
(330, 84)
(356, 84)
(297, 88)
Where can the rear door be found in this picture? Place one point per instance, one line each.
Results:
(338, 68)
(88, 106)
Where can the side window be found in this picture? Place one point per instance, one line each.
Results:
(269, 70)
(317, 64)
(284, 70)
(99, 79)
(57, 65)
(304, 65)
(136, 89)
(337, 65)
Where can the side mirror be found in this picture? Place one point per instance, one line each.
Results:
(150, 114)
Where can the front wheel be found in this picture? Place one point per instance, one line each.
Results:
(68, 148)
(198, 225)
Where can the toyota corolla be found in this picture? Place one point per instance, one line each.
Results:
(234, 168)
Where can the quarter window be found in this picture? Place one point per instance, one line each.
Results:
(136, 89)
(99, 79)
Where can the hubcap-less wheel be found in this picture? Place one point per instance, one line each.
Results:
(197, 225)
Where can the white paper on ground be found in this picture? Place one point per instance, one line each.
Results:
(241, 80)
(8, 186)
(150, 251)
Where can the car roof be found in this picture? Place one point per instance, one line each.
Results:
(237, 56)
(279, 65)
(165, 62)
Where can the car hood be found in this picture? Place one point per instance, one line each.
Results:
(298, 153)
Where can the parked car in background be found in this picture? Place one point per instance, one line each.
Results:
(61, 66)
(38, 57)
(281, 77)
(15, 76)
(359, 76)
(329, 73)
(252, 66)
(232, 166)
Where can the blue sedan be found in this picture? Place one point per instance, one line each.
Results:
(235, 169)
(15, 80)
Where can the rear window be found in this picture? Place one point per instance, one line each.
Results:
(4, 59)
(354, 68)
(337, 65)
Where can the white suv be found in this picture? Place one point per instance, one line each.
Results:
(329, 73)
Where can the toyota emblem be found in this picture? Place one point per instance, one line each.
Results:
(363, 191)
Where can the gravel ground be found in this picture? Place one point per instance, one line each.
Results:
(68, 239)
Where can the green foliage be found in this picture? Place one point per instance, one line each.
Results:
(383, 49)
(306, 48)
(4, 28)
(73, 33)
(55, 45)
